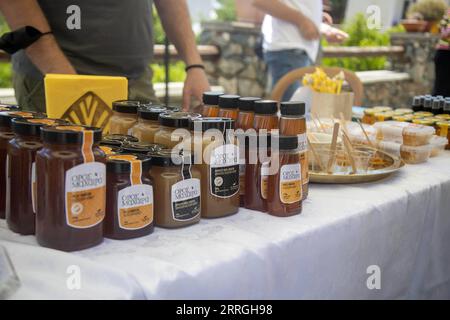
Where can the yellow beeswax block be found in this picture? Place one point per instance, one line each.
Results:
(83, 99)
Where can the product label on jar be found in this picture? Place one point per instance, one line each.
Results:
(33, 186)
(291, 183)
(304, 165)
(265, 179)
(85, 195)
(224, 172)
(135, 207)
(185, 199)
(242, 179)
(8, 184)
(302, 143)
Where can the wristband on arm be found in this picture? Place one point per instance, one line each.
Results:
(22, 38)
(194, 66)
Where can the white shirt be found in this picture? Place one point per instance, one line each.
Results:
(282, 35)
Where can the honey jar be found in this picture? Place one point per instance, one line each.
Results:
(71, 179)
(124, 116)
(129, 191)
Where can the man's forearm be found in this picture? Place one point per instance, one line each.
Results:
(175, 19)
(279, 10)
(44, 53)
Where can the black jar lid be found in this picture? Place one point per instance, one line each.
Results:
(212, 97)
(177, 119)
(228, 101)
(286, 142)
(151, 112)
(293, 108)
(32, 127)
(204, 124)
(141, 147)
(7, 116)
(247, 103)
(267, 107)
(68, 134)
(170, 158)
(118, 139)
(120, 163)
(9, 107)
(126, 106)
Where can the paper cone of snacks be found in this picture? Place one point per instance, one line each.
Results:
(328, 100)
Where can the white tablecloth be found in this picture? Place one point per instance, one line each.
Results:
(401, 225)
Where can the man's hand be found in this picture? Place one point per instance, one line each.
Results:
(195, 84)
(308, 29)
(333, 35)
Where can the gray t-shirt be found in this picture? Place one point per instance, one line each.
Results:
(115, 37)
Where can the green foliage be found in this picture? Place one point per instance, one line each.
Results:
(428, 10)
(176, 73)
(158, 31)
(361, 36)
(226, 10)
(5, 75)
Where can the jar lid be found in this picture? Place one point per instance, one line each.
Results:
(403, 111)
(266, 107)
(169, 158)
(444, 116)
(204, 124)
(121, 163)
(369, 111)
(177, 119)
(141, 147)
(382, 109)
(287, 142)
(293, 108)
(109, 150)
(424, 129)
(32, 127)
(7, 116)
(69, 134)
(247, 103)
(151, 112)
(228, 101)
(117, 139)
(212, 97)
(126, 106)
(8, 107)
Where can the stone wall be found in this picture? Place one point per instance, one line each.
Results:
(239, 70)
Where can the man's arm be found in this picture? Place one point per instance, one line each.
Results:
(279, 10)
(45, 52)
(175, 19)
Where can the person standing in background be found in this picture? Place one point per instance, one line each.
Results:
(113, 38)
(292, 30)
(442, 60)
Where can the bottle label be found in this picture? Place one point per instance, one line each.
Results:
(186, 199)
(302, 143)
(33, 186)
(224, 171)
(304, 165)
(135, 207)
(85, 195)
(265, 180)
(290, 183)
(242, 179)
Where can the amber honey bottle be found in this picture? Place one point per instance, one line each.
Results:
(266, 115)
(293, 123)
(228, 107)
(246, 106)
(211, 103)
(256, 175)
(284, 197)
